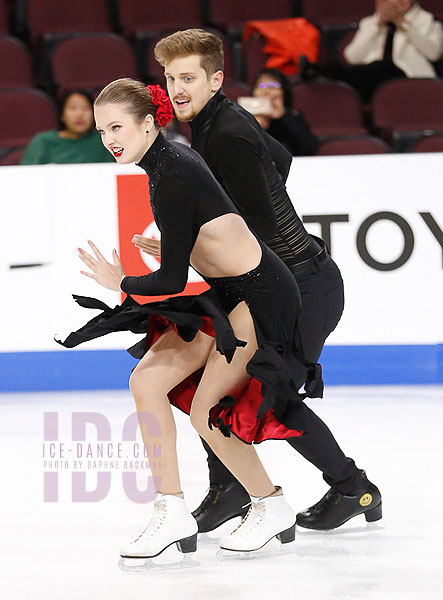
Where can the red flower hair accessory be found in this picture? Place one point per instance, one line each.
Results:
(159, 97)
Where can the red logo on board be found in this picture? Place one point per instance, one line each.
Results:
(135, 217)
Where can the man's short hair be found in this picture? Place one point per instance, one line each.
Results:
(192, 41)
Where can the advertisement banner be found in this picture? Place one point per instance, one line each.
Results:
(381, 216)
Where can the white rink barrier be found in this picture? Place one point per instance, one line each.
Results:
(382, 217)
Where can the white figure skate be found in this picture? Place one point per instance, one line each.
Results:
(171, 523)
(267, 518)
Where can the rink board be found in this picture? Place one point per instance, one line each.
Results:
(381, 215)
(110, 369)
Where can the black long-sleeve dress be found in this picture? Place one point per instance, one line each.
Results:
(184, 195)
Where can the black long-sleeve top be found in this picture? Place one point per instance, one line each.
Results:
(294, 133)
(184, 196)
(252, 167)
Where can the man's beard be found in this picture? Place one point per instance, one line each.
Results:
(185, 118)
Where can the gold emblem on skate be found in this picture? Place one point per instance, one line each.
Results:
(366, 500)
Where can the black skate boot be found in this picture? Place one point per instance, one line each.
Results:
(335, 508)
(223, 502)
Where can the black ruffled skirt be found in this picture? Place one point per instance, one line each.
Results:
(269, 405)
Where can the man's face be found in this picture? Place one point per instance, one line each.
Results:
(393, 6)
(189, 87)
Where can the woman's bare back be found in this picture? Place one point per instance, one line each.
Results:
(225, 247)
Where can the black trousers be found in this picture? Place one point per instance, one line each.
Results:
(364, 78)
(321, 289)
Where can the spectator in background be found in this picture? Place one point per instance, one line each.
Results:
(400, 39)
(76, 141)
(285, 125)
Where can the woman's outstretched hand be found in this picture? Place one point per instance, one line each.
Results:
(106, 274)
(148, 245)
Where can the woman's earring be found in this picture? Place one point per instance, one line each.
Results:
(147, 131)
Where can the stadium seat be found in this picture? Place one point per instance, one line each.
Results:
(363, 145)
(433, 6)
(3, 18)
(331, 108)
(184, 129)
(431, 143)
(46, 17)
(15, 64)
(91, 62)
(141, 16)
(12, 158)
(28, 112)
(235, 89)
(230, 15)
(325, 13)
(254, 57)
(344, 41)
(404, 107)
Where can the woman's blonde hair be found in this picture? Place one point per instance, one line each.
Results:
(133, 94)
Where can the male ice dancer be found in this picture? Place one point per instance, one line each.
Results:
(252, 167)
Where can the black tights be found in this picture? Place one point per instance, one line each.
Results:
(321, 290)
(318, 447)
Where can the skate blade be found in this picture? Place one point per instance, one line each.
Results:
(206, 540)
(342, 530)
(269, 550)
(211, 538)
(132, 565)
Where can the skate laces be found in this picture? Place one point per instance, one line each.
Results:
(212, 494)
(157, 519)
(254, 516)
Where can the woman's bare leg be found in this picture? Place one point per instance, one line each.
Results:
(219, 379)
(168, 362)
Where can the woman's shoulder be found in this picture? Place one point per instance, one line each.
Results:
(46, 136)
(186, 156)
(183, 169)
(40, 149)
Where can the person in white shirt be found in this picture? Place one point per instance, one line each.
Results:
(400, 39)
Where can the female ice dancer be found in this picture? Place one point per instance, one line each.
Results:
(229, 357)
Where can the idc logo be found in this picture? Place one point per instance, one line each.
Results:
(92, 464)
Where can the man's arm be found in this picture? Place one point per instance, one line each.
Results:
(424, 33)
(368, 34)
(280, 155)
(238, 167)
(294, 129)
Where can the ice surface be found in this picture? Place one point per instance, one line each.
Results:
(69, 549)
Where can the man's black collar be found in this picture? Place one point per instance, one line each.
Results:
(208, 112)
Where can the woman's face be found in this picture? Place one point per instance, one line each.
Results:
(125, 139)
(77, 115)
(267, 86)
